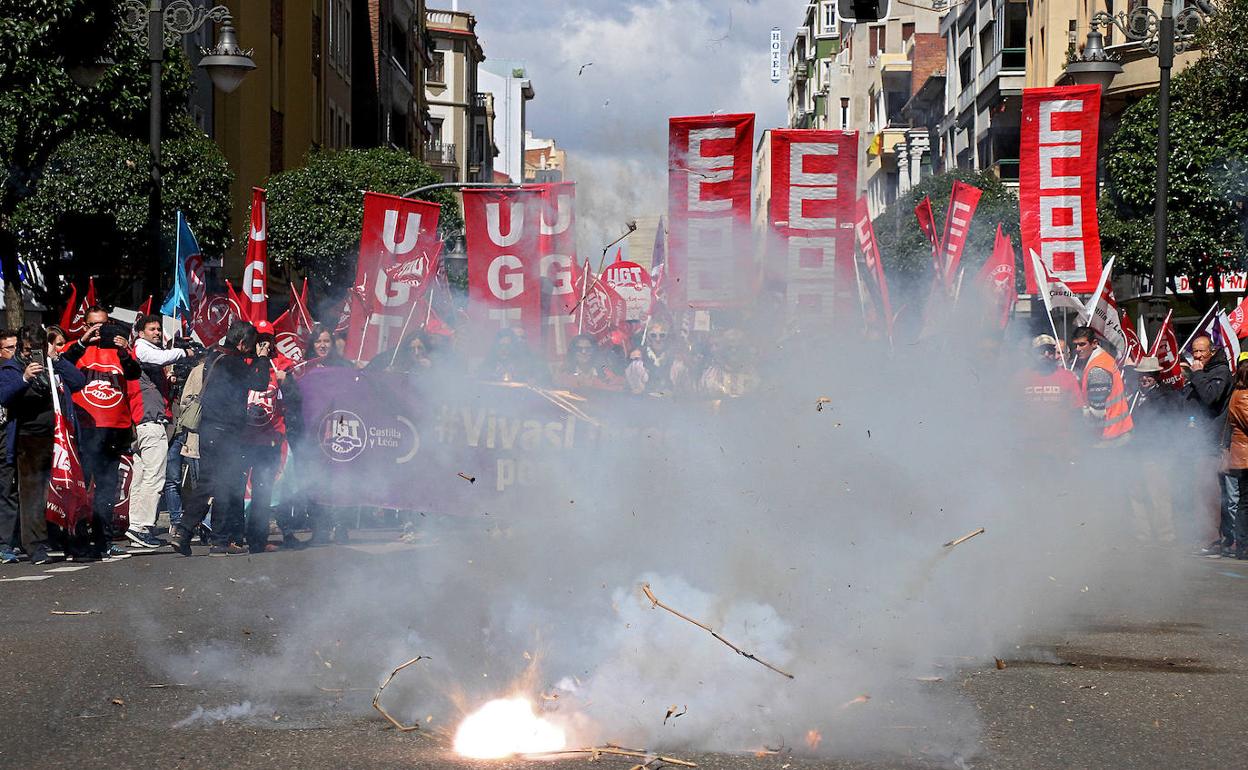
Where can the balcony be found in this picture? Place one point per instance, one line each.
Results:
(894, 63)
(400, 85)
(440, 153)
(966, 99)
(1003, 74)
(800, 71)
(478, 102)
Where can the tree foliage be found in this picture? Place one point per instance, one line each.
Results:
(316, 211)
(1208, 180)
(43, 114)
(907, 253)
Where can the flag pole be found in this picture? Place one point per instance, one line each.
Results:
(403, 333)
(1199, 325)
(1042, 274)
(580, 324)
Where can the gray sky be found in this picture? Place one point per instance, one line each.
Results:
(652, 59)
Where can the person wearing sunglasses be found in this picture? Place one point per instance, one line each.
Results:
(584, 368)
(1105, 401)
(658, 366)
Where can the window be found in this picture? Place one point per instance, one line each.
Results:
(844, 113)
(398, 47)
(907, 31)
(338, 31)
(964, 70)
(827, 17)
(878, 37)
(437, 71)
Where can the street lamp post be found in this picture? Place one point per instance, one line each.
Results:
(1161, 35)
(157, 24)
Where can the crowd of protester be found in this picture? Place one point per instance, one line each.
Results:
(202, 428)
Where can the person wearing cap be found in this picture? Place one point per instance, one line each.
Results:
(1157, 412)
(1101, 389)
(261, 440)
(1047, 382)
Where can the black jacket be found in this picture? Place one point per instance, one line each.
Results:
(1157, 414)
(30, 408)
(228, 378)
(1206, 396)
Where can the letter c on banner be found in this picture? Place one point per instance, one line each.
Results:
(506, 286)
(253, 281)
(389, 232)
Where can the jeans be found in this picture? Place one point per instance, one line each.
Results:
(10, 510)
(263, 460)
(101, 450)
(171, 497)
(1228, 483)
(219, 488)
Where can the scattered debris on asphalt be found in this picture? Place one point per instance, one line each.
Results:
(1000, 664)
(645, 588)
(652, 760)
(469, 479)
(675, 712)
(819, 402)
(964, 538)
(74, 612)
(377, 698)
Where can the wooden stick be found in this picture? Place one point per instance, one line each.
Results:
(615, 751)
(377, 698)
(645, 588)
(964, 538)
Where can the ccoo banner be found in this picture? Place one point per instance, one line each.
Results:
(814, 175)
(708, 192)
(395, 230)
(1057, 183)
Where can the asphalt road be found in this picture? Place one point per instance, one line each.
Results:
(81, 691)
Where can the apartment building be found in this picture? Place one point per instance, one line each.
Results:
(812, 72)
(461, 144)
(543, 160)
(389, 107)
(506, 81)
(985, 62)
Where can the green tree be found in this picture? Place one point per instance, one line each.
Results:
(316, 211)
(41, 109)
(905, 250)
(1208, 182)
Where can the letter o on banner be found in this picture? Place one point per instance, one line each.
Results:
(508, 285)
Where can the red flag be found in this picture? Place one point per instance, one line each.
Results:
(68, 499)
(927, 223)
(1057, 182)
(73, 319)
(873, 275)
(1135, 351)
(380, 306)
(292, 327)
(710, 162)
(1239, 319)
(1166, 349)
(146, 307)
(963, 200)
(813, 181)
(215, 315)
(502, 232)
(254, 302)
(1106, 318)
(996, 278)
(602, 309)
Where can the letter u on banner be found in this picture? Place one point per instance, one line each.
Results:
(1057, 183)
(502, 232)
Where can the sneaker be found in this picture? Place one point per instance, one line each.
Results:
(143, 538)
(114, 550)
(266, 548)
(9, 556)
(40, 556)
(1213, 549)
(226, 550)
(180, 542)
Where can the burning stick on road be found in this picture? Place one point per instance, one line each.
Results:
(964, 538)
(469, 479)
(595, 752)
(377, 698)
(645, 588)
(73, 612)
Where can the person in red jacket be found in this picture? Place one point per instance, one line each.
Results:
(106, 409)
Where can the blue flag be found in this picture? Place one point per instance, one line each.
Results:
(178, 303)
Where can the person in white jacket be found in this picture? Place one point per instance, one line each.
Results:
(151, 442)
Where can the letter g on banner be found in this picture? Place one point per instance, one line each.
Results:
(509, 285)
(253, 281)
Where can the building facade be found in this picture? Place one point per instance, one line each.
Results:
(543, 160)
(460, 146)
(511, 90)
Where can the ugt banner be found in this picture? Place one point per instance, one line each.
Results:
(556, 244)
(254, 301)
(814, 176)
(1057, 183)
(395, 230)
(708, 193)
(502, 229)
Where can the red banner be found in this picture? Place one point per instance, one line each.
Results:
(503, 233)
(395, 230)
(293, 326)
(814, 178)
(73, 320)
(254, 300)
(963, 200)
(708, 189)
(68, 499)
(873, 275)
(927, 224)
(1057, 182)
(557, 266)
(996, 279)
(1166, 349)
